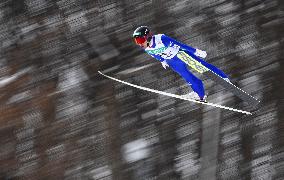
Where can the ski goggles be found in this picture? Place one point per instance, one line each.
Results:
(139, 40)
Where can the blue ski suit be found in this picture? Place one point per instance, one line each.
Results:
(164, 48)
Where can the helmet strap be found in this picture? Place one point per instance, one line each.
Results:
(149, 38)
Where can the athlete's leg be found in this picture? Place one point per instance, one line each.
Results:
(211, 67)
(181, 68)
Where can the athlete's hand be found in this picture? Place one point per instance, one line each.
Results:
(200, 53)
(165, 64)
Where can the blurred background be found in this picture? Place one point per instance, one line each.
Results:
(60, 119)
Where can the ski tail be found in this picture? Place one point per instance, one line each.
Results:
(252, 101)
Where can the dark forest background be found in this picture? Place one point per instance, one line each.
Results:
(60, 119)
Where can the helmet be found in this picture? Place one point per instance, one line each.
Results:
(142, 34)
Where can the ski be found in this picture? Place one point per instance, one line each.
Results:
(176, 96)
(197, 66)
(232, 88)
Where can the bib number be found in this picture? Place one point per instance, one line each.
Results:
(170, 52)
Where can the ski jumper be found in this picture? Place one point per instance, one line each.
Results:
(164, 48)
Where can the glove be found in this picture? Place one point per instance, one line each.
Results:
(165, 64)
(200, 53)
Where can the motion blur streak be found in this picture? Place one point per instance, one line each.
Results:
(60, 119)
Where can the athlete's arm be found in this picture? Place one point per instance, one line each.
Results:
(159, 58)
(168, 40)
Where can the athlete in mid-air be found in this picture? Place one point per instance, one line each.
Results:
(165, 49)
